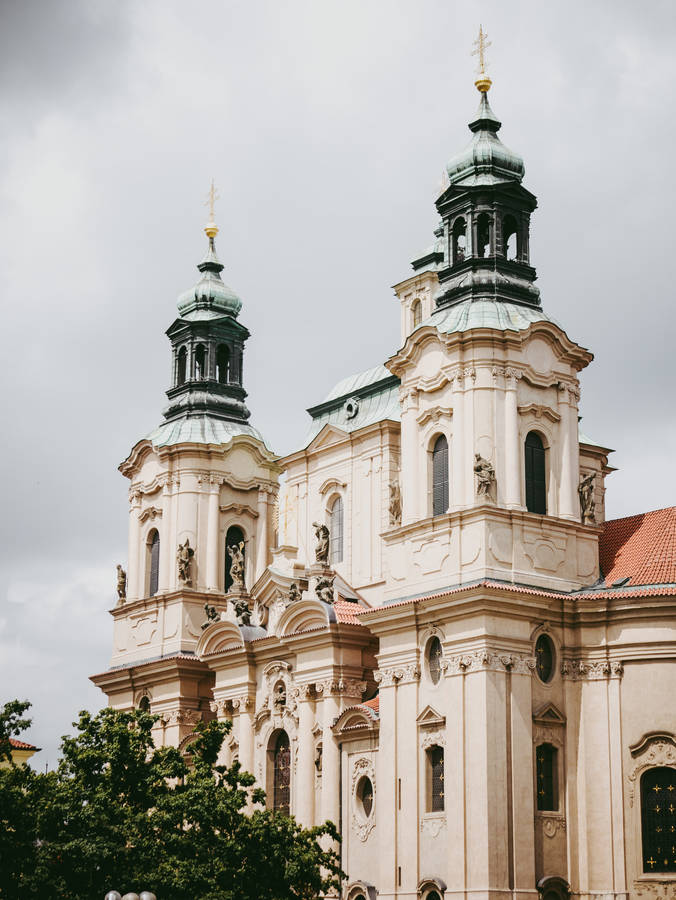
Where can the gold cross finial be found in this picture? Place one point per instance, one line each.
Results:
(213, 195)
(483, 82)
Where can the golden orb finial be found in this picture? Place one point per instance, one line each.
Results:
(483, 82)
(211, 228)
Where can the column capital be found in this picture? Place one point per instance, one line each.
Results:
(485, 660)
(389, 676)
(345, 687)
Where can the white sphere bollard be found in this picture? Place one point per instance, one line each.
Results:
(113, 895)
(131, 896)
(147, 895)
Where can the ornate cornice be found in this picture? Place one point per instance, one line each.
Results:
(181, 716)
(239, 509)
(397, 675)
(591, 670)
(344, 687)
(152, 512)
(537, 410)
(657, 751)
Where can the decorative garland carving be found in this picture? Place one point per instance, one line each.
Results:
(361, 823)
(481, 660)
(657, 752)
(181, 717)
(591, 670)
(432, 739)
(152, 512)
(344, 687)
(551, 824)
(397, 675)
(433, 824)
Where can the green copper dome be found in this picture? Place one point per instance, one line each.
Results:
(210, 294)
(485, 160)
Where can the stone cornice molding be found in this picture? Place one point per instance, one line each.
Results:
(239, 509)
(332, 483)
(181, 716)
(591, 670)
(152, 512)
(537, 410)
(434, 414)
(655, 750)
(512, 375)
(484, 660)
(397, 675)
(568, 392)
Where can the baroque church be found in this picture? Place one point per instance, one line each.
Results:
(420, 622)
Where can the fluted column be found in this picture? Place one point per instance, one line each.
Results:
(304, 806)
(386, 780)
(512, 488)
(134, 587)
(330, 802)
(212, 535)
(245, 706)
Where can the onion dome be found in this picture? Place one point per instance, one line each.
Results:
(210, 294)
(485, 160)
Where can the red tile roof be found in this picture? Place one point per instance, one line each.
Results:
(373, 703)
(21, 745)
(641, 548)
(347, 612)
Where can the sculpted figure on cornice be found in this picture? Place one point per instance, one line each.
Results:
(211, 614)
(587, 501)
(242, 611)
(323, 543)
(121, 584)
(324, 589)
(184, 557)
(395, 503)
(485, 475)
(294, 593)
(591, 670)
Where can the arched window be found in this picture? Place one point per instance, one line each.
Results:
(336, 530)
(181, 366)
(144, 703)
(483, 234)
(544, 658)
(510, 242)
(658, 819)
(440, 476)
(459, 240)
(416, 309)
(222, 364)
(536, 486)
(546, 771)
(281, 762)
(153, 562)
(200, 362)
(365, 796)
(233, 538)
(435, 779)
(434, 657)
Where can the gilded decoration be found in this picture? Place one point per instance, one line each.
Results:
(657, 751)
(362, 823)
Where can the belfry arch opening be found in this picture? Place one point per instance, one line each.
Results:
(222, 364)
(200, 362)
(510, 238)
(459, 240)
(483, 235)
(181, 366)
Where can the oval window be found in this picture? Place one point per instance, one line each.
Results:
(434, 655)
(544, 658)
(365, 796)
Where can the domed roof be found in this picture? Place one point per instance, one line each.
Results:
(210, 293)
(485, 160)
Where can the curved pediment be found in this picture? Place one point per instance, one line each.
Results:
(219, 637)
(305, 615)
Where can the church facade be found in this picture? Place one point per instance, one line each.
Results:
(420, 623)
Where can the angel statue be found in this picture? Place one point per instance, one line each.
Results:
(485, 474)
(184, 557)
(121, 584)
(236, 553)
(322, 545)
(395, 503)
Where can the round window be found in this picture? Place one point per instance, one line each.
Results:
(544, 658)
(365, 796)
(434, 657)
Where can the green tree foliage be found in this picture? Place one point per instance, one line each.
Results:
(119, 812)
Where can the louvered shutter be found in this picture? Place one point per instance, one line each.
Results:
(536, 486)
(154, 564)
(440, 477)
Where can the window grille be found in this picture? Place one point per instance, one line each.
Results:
(546, 772)
(154, 564)
(544, 658)
(536, 487)
(336, 529)
(282, 773)
(440, 476)
(658, 819)
(435, 761)
(435, 654)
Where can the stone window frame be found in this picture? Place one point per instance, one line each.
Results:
(427, 885)
(544, 629)
(549, 727)
(529, 422)
(426, 636)
(654, 749)
(363, 825)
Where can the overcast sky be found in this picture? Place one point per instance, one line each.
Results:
(326, 125)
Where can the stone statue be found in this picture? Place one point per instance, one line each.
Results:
(236, 553)
(587, 501)
(318, 759)
(324, 589)
(395, 503)
(279, 696)
(485, 474)
(121, 584)
(212, 615)
(184, 556)
(294, 593)
(242, 611)
(322, 545)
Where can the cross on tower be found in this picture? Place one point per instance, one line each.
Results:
(480, 45)
(212, 197)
